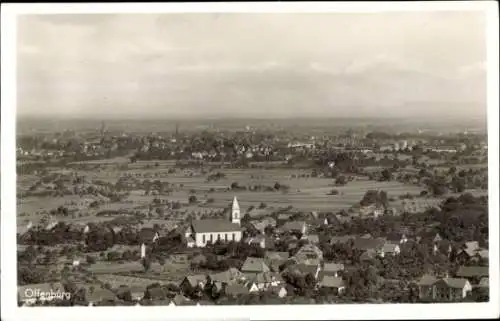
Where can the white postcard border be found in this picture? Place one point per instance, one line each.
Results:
(10, 311)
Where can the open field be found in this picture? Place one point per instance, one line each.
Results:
(305, 193)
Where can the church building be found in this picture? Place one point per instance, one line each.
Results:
(200, 232)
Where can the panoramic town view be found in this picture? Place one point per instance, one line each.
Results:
(158, 165)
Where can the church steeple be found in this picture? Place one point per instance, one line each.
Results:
(235, 211)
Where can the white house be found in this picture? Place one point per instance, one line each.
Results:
(200, 232)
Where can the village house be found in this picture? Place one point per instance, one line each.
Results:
(471, 251)
(473, 273)
(445, 289)
(337, 284)
(309, 254)
(332, 269)
(200, 232)
(279, 291)
(442, 246)
(262, 224)
(235, 290)
(311, 238)
(484, 283)
(368, 255)
(23, 229)
(451, 289)
(191, 282)
(397, 237)
(179, 300)
(260, 240)
(275, 259)
(371, 211)
(262, 281)
(429, 237)
(368, 243)
(318, 222)
(284, 217)
(425, 288)
(295, 226)
(388, 249)
(342, 239)
(303, 270)
(254, 265)
(95, 295)
(137, 292)
(232, 275)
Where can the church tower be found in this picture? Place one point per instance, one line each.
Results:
(143, 250)
(235, 212)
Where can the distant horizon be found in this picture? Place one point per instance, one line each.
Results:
(202, 118)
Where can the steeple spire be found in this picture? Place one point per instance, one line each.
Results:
(236, 206)
(235, 212)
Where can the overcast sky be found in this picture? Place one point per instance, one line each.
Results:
(280, 64)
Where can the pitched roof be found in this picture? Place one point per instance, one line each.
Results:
(284, 216)
(473, 271)
(368, 255)
(99, 294)
(455, 283)
(309, 251)
(277, 289)
(267, 277)
(180, 300)
(342, 239)
(390, 247)
(236, 289)
(235, 205)
(156, 293)
(333, 267)
(361, 243)
(195, 280)
(229, 276)
(254, 264)
(313, 238)
(473, 245)
(273, 255)
(483, 253)
(293, 226)
(214, 226)
(303, 269)
(331, 282)
(427, 280)
(484, 283)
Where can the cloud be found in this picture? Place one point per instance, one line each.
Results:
(253, 62)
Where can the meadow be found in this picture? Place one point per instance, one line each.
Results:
(304, 193)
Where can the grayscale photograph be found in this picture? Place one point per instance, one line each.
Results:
(204, 158)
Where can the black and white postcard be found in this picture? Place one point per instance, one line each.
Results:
(250, 161)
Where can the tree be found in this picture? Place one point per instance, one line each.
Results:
(90, 259)
(146, 263)
(386, 175)
(192, 199)
(341, 180)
